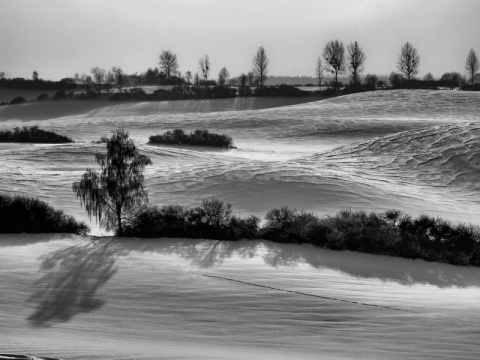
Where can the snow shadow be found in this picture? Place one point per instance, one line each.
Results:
(72, 276)
(211, 253)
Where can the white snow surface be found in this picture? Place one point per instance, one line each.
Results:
(69, 298)
(417, 151)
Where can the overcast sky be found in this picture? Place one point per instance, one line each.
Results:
(62, 37)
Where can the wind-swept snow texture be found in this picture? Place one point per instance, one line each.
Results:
(412, 150)
(66, 297)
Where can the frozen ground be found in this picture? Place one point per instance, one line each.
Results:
(412, 150)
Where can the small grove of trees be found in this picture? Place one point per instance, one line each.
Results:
(21, 214)
(260, 66)
(114, 194)
(223, 76)
(204, 65)
(168, 63)
(198, 138)
(33, 135)
(451, 79)
(472, 65)
(370, 81)
(119, 77)
(356, 61)
(408, 61)
(334, 55)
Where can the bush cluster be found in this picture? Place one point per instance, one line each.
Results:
(17, 100)
(389, 233)
(20, 214)
(198, 137)
(33, 135)
(212, 220)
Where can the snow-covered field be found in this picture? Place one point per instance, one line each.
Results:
(416, 151)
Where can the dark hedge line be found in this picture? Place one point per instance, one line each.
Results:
(26, 84)
(390, 233)
(198, 137)
(33, 135)
(19, 214)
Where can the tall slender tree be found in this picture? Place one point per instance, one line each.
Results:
(356, 61)
(116, 192)
(204, 65)
(408, 61)
(188, 76)
(168, 63)
(260, 66)
(472, 65)
(319, 71)
(334, 55)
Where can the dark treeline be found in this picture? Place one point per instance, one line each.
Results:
(390, 233)
(33, 135)
(20, 214)
(39, 84)
(197, 137)
(336, 61)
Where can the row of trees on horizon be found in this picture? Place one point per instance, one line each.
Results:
(335, 61)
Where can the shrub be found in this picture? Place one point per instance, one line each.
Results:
(390, 233)
(212, 220)
(17, 100)
(42, 97)
(61, 94)
(20, 214)
(33, 135)
(198, 137)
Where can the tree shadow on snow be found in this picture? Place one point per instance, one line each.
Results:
(72, 276)
(210, 253)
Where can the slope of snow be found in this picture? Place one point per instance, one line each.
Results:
(67, 297)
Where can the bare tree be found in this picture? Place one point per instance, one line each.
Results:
(356, 61)
(260, 65)
(408, 61)
(204, 65)
(428, 77)
(319, 71)
(371, 81)
(334, 55)
(196, 79)
(2, 75)
(99, 78)
(223, 76)
(251, 77)
(168, 63)
(188, 77)
(472, 65)
(451, 79)
(119, 77)
(243, 80)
